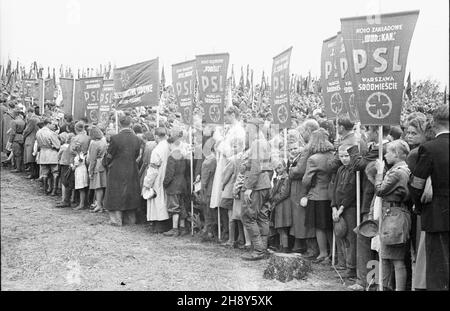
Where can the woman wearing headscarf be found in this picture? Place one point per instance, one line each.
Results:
(96, 170)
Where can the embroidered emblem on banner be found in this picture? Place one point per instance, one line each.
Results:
(379, 105)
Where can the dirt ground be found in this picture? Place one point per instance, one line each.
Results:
(45, 248)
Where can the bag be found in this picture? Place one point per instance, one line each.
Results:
(427, 195)
(395, 226)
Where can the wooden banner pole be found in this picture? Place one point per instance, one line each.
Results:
(285, 146)
(358, 178)
(192, 180)
(73, 98)
(380, 218)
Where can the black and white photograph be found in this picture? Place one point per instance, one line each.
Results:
(224, 146)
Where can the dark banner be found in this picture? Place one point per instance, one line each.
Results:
(91, 89)
(280, 101)
(137, 85)
(183, 79)
(67, 94)
(377, 47)
(332, 84)
(347, 92)
(212, 76)
(106, 100)
(79, 107)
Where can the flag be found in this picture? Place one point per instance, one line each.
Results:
(241, 80)
(445, 95)
(251, 88)
(299, 85)
(163, 80)
(408, 86)
(137, 85)
(263, 83)
(247, 83)
(233, 81)
(67, 86)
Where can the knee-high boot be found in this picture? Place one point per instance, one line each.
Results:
(54, 185)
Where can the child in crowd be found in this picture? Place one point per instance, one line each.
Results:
(343, 203)
(281, 212)
(395, 217)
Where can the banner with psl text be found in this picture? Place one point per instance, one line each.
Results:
(332, 86)
(280, 101)
(183, 79)
(91, 89)
(377, 48)
(106, 100)
(347, 93)
(212, 76)
(137, 85)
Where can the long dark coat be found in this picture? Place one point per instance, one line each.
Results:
(122, 191)
(30, 136)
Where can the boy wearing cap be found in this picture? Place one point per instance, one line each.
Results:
(343, 203)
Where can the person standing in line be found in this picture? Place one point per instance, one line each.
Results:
(29, 135)
(315, 189)
(96, 170)
(175, 184)
(257, 184)
(393, 189)
(122, 193)
(154, 178)
(432, 162)
(48, 145)
(17, 140)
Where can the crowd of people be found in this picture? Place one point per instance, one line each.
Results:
(250, 187)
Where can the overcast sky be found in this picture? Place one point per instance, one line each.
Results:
(82, 33)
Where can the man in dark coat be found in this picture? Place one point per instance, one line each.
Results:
(433, 162)
(122, 191)
(29, 135)
(16, 139)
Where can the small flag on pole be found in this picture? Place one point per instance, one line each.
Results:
(408, 87)
(445, 95)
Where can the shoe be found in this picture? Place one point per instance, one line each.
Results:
(62, 204)
(340, 267)
(349, 274)
(356, 287)
(15, 171)
(254, 256)
(78, 208)
(299, 251)
(29, 177)
(286, 250)
(96, 209)
(172, 232)
(319, 259)
(227, 244)
(184, 232)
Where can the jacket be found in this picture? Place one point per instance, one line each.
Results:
(317, 176)
(175, 178)
(48, 145)
(207, 175)
(258, 167)
(281, 190)
(433, 161)
(17, 127)
(344, 190)
(394, 186)
(229, 177)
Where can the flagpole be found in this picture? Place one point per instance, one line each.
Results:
(358, 178)
(43, 96)
(380, 157)
(73, 97)
(192, 179)
(333, 250)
